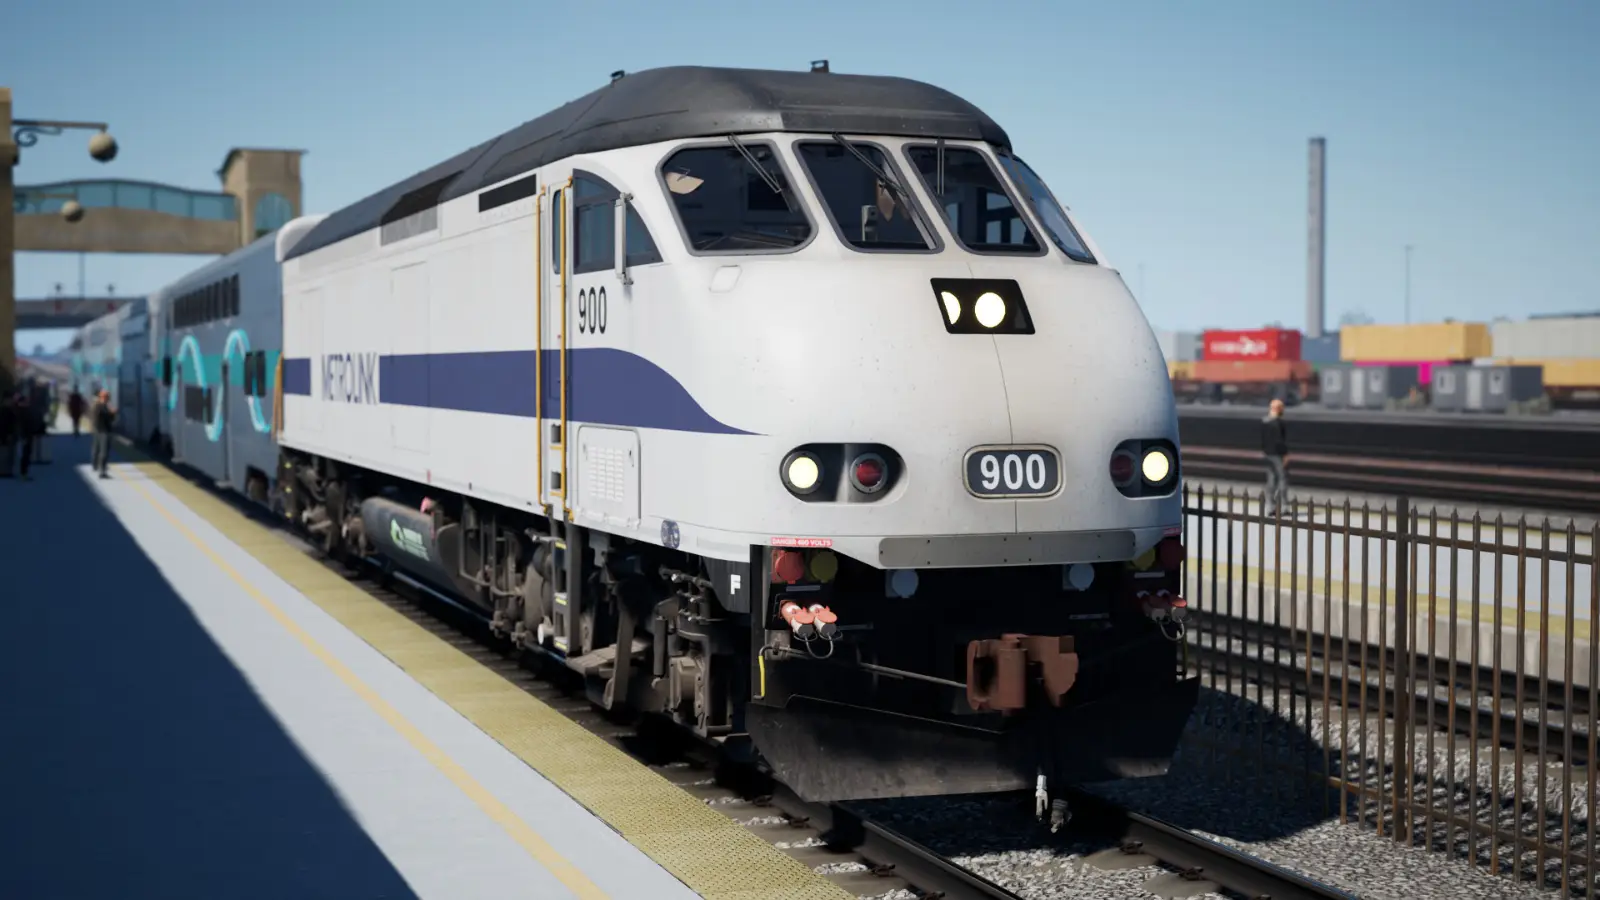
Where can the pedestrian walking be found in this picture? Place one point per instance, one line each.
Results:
(1275, 447)
(101, 419)
(76, 407)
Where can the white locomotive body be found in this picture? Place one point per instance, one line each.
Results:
(800, 388)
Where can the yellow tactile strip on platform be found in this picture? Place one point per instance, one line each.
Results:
(704, 849)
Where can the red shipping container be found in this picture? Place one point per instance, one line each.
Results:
(1228, 371)
(1255, 344)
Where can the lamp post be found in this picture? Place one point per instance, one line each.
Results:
(16, 134)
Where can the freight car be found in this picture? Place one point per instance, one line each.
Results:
(813, 474)
(1253, 366)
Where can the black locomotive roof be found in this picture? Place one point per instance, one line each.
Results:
(672, 104)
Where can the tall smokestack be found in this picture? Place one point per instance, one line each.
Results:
(1315, 219)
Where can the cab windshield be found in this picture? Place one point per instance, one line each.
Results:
(975, 204)
(863, 195)
(1044, 204)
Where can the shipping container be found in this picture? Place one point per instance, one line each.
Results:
(1332, 383)
(1222, 371)
(1571, 337)
(1424, 367)
(1504, 389)
(1179, 346)
(1370, 387)
(1264, 344)
(1323, 349)
(1402, 343)
(1574, 373)
(1448, 390)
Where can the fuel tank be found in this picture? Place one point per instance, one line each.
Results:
(407, 538)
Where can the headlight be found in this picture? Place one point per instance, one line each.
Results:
(801, 472)
(982, 306)
(952, 306)
(1145, 469)
(1156, 466)
(990, 310)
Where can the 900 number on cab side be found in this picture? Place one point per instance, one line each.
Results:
(995, 473)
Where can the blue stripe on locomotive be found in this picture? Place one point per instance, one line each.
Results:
(606, 386)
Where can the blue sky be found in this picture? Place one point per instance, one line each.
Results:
(1175, 130)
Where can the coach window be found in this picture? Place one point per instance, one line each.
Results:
(865, 196)
(977, 207)
(735, 198)
(594, 232)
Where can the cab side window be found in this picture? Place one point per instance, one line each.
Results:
(594, 228)
(556, 208)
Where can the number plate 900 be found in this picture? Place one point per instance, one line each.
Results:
(1013, 471)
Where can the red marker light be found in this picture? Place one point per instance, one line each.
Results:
(869, 472)
(1121, 468)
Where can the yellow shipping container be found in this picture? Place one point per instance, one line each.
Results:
(1180, 370)
(1433, 342)
(1564, 373)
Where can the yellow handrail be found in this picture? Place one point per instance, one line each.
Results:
(566, 510)
(277, 397)
(538, 339)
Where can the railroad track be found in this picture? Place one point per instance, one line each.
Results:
(1564, 490)
(1370, 670)
(860, 856)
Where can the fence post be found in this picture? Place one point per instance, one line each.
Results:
(1404, 697)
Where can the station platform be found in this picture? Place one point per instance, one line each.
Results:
(196, 709)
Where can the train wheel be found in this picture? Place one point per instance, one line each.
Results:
(255, 487)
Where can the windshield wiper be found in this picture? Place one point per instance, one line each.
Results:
(900, 195)
(756, 164)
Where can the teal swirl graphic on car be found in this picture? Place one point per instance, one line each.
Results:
(192, 362)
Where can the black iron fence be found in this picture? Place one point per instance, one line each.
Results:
(1423, 672)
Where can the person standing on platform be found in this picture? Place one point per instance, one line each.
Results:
(101, 419)
(76, 408)
(23, 429)
(1275, 446)
(40, 400)
(8, 432)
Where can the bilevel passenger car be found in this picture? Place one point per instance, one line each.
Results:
(790, 405)
(219, 330)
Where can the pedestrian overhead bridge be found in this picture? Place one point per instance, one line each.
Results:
(123, 216)
(260, 193)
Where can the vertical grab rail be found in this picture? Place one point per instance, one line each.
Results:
(566, 510)
(538, 339)
(277, 397)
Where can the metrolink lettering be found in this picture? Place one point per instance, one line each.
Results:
(350, 377)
